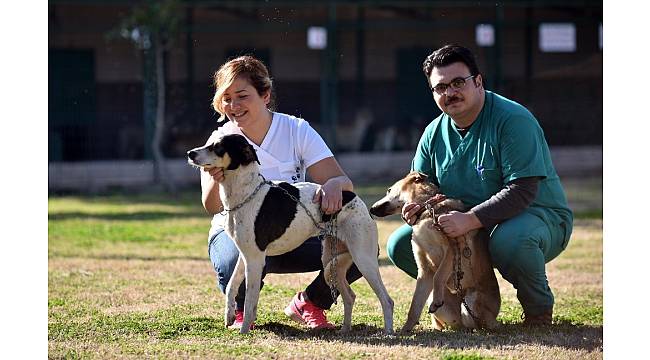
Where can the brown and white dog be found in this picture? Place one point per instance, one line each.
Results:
(263, 220)
(472, 302)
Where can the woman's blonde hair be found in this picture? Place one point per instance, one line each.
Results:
(251, 69)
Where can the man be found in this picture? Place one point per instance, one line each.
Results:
(490, 152)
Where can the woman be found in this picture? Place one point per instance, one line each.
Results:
(287, 148)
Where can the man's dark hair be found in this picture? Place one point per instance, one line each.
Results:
(448, 55)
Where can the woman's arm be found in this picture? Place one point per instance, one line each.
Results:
(333, 181)
(210, 179)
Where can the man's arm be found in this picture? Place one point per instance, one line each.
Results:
(514, 198)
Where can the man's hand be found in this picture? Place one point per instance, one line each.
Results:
(410, 210)
(330, 197)
(457, 223)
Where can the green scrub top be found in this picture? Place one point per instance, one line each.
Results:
(503, 144)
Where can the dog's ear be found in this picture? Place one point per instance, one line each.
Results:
(251, 154)
(255, 155)
(420, 177)
(239, 150)
(223, 120)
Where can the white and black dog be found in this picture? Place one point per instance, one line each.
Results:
(263, 220)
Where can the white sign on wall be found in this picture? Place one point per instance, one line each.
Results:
(317, 37)
(485, 34)
(557, 37)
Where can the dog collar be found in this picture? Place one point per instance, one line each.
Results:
(264, 181)
(430, 208)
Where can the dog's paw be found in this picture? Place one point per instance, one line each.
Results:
(229, 317)
(406, 330)
(435, 305)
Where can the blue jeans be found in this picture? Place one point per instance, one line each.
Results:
(306, 257)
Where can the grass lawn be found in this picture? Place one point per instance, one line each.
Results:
(129, 277)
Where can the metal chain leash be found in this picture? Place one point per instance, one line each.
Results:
(467, 252)
(264, 181)
(311, 216)
(459, 276)
(328, 231)
(457, 268)
(331, 233)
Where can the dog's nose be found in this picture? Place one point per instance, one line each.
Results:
(191, 155)
(378, 210)
(373, 211)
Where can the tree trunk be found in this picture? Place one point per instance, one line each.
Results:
(161, 173)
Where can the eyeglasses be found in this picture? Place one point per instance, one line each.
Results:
(456, 84)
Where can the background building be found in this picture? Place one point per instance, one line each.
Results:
(362, 88)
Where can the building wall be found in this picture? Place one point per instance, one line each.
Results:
(564, 90)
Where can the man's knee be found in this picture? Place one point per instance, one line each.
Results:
(512, 244)
(391, 249)
(502, 246)
(399, 244)
(400, 252)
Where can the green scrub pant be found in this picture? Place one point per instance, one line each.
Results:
(519, 247)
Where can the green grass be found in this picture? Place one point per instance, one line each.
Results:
(129, 277)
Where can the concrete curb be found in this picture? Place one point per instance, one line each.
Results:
(381, 167)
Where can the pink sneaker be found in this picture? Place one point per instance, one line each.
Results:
(305, 312)
(239, 320)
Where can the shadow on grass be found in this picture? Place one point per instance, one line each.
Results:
(385, 262)
(563, 335)
(283, 330)
(289, 332)
(171, 325)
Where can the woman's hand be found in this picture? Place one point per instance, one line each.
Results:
(329, 173)
(330, 196)
(216, 173)
(210, 179)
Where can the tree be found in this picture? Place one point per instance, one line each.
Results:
(152, 27)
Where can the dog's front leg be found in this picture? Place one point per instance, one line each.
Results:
(441, 277)
(231, 291)
(254, 266)
(423, 286)
(449, 314)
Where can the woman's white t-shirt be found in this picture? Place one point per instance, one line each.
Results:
(290, 146)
